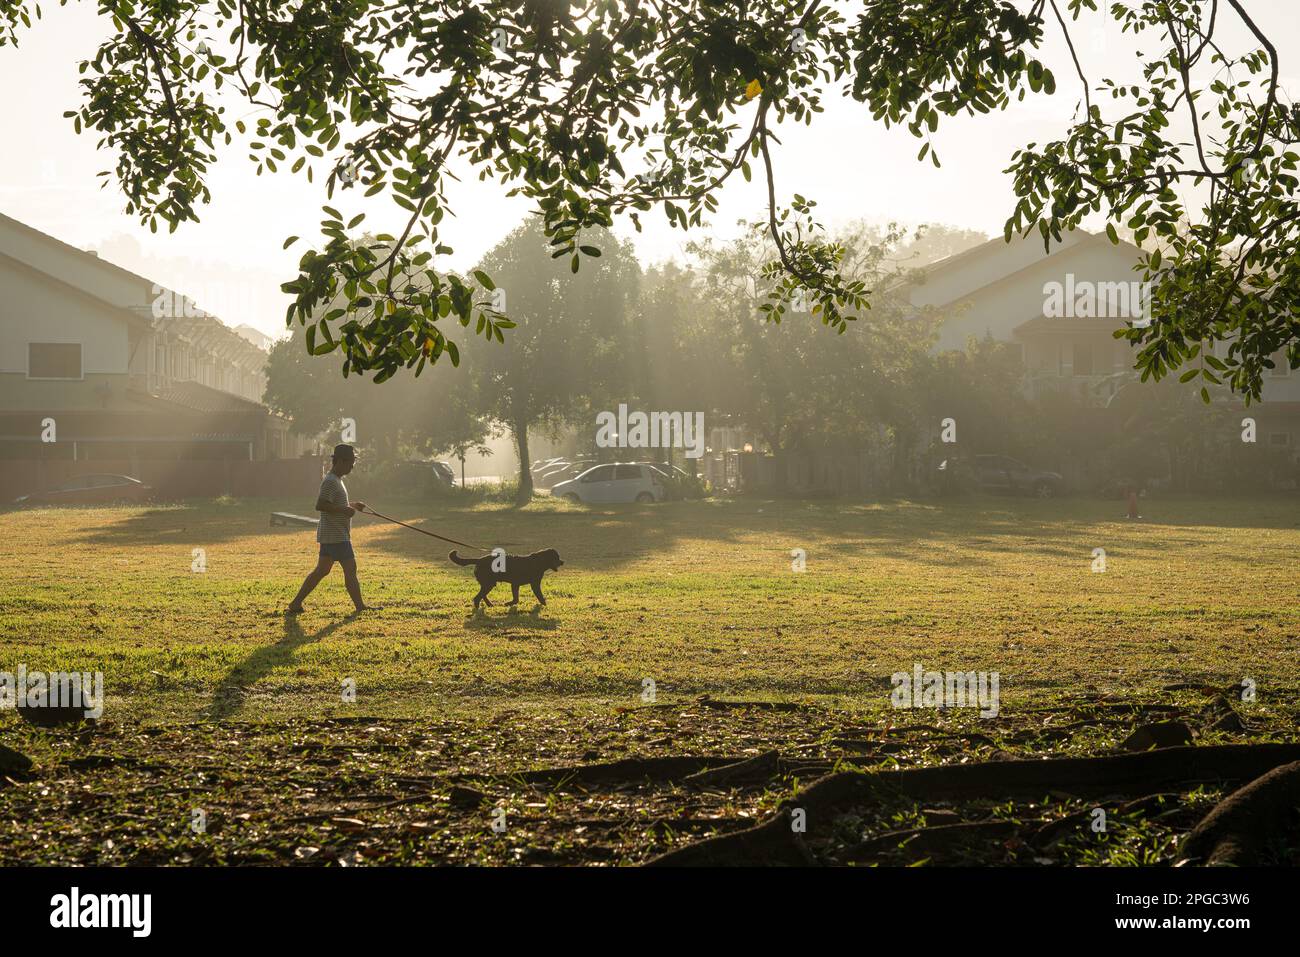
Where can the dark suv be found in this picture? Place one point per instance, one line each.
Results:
(443, 472)
(1001, 474)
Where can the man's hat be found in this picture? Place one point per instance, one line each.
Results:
(344, 452)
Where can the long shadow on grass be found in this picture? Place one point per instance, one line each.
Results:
(532, 621)
(229, 696)
(941, 533)
(605, 537)
(195, 522)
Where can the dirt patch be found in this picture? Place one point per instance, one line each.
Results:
(682, 783)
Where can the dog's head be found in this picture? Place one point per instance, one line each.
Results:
(551, 559)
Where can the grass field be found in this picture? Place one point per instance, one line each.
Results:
(699, 597)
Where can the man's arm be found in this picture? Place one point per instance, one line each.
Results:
(326, 500)
(325, 505)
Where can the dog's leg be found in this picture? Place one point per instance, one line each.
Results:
(514, 590)
(482, 596)
(537, 590)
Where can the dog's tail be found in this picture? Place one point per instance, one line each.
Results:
(461, 561)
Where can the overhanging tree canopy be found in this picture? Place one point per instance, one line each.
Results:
(608, 108)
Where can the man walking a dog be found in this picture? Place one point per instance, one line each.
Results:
(335, 533)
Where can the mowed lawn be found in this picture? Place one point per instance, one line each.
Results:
(699, 597)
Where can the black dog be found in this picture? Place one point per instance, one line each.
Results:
(518, 570)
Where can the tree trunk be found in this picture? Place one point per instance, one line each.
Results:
(525, 493)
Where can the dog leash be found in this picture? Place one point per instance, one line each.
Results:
(371, 511)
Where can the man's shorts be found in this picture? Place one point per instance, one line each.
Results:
(338, 551)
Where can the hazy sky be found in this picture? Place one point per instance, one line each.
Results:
(232, 261)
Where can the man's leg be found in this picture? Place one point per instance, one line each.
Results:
(349, 566)
(314, 578)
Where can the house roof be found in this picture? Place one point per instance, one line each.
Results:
(139, 312)
(33, 233)
(201, 398)
(1070, 241)
(130, 315)
(1049, 325)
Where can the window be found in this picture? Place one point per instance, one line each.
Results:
(602, 473)
(54, 360)
(624, 472)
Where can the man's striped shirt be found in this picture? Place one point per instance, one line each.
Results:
(334, 527)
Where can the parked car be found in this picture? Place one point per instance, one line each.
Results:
(415, 475)
(1001, 474)
(90, 490)
(620, 482)
(672, 478)
(550, 474)
(561, 474)
(670, 470)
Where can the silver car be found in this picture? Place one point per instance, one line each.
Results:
(607, 484)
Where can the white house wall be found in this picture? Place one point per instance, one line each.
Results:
(1013, 290)
(34, 308)
(966, 273)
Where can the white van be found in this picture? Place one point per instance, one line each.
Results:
(621, 482)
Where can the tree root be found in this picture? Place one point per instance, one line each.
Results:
(13, 762)
(1053, 831)
(1222, 716)
(1230, 723)
(626, 771)
(695, 770)
(929, 840)
(1108, 774)
(1110, 707)
(1162, 734)
(1148, 806)
(1246, 822)
(858, 739)
(771, 841)
(873, 747)
(717, 705)
(762, 767)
